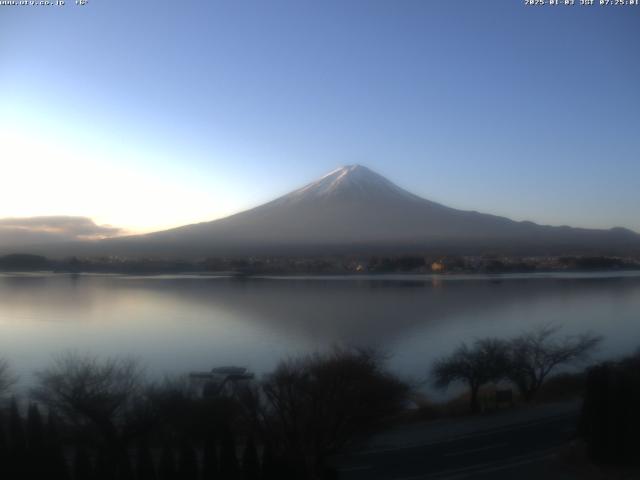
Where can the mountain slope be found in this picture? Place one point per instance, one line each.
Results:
(353, 209)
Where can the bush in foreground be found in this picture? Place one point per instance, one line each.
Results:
(610, 419)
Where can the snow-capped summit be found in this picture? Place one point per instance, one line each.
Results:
(354, 209)
(348, 181)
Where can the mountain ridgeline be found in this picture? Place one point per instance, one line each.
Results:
(355, 210)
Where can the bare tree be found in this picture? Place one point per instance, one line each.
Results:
(317, 404)
(535, 354)
(6, 377)
(176, 406)
(483, 362)
(88, 391)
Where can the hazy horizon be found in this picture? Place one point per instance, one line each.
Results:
(43, 230)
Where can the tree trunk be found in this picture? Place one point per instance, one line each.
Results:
(474, 403)
(528, 392)
(527, 395)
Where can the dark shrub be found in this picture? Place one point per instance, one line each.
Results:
(610, 419)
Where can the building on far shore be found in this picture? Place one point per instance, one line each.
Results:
(438, 267)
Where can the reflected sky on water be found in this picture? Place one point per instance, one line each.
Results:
(175, 324)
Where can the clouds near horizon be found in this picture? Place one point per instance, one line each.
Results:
(23, 231)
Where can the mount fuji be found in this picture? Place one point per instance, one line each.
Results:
(354, 210)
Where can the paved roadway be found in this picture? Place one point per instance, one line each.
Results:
(518, 451)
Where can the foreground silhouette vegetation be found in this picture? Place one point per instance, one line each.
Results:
(105, 421)
(610, 419)
(95, 419)
(525, 361)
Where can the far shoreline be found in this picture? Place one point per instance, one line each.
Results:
(377, 276)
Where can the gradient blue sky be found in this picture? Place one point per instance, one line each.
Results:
(148, 114)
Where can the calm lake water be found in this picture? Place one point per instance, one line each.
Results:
(176, 324)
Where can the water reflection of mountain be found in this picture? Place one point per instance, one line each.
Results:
(175, 324)
(372, 310)
(376, 311)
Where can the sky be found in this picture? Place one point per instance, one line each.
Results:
(147, 115)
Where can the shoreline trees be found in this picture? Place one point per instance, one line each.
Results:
(486, 360)
(535, 354)
(526, 361)
(7, 379)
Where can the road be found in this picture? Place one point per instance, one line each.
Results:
(521, 450)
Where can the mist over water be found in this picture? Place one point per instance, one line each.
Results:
(176, 324)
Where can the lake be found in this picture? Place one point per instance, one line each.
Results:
(176, 324)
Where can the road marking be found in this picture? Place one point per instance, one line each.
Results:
(474, 450)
